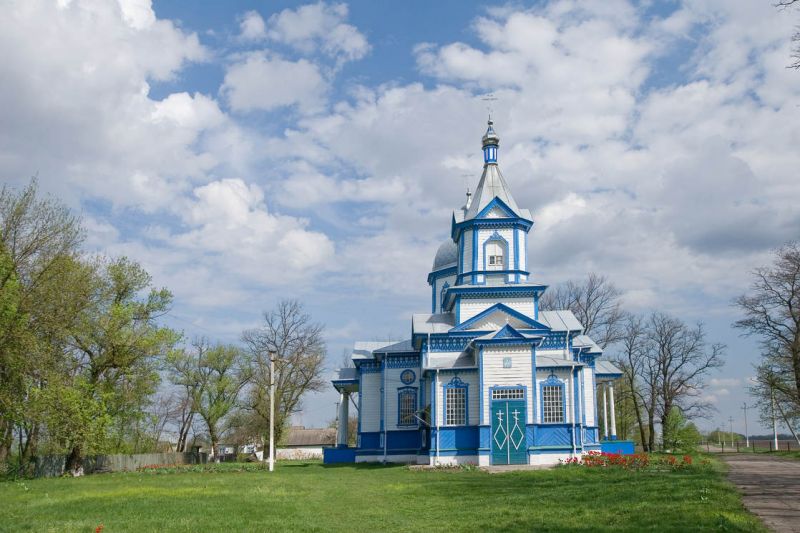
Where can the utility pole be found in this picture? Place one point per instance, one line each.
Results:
(271, 410)
(774, 423)
(730, 420)
(746, 434)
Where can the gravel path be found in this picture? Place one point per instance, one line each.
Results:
(770, 487)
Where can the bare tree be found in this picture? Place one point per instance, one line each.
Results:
(785, 4)
(596, 304)
(299, 349)
(682, 361)
(632, 360)
(768, 391)
(772, 313)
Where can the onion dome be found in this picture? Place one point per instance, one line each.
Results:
(446, 255)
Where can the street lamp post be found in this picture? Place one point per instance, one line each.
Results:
(271, 410)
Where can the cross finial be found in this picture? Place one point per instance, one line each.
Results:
(489, 97)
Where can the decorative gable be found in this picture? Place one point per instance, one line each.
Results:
(497, 317)
(497, 209)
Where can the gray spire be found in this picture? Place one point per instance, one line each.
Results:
(492, 184)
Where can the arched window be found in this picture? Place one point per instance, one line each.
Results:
(455, 403)
(407, 406)
(441, 296)
(495, 253)
(553, 400)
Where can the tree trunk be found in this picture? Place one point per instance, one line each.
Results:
(213, 436)
(6, 440)
(74, 463)
(666, 437)
(651, 428)
(183, 432)
(639, 421)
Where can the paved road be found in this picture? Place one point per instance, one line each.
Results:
(770, 487)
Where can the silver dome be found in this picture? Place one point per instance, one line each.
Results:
(446, 255)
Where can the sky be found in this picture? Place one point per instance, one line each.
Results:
(246, 152)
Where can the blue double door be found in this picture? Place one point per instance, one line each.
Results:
(509, 445)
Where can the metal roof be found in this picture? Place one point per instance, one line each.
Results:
(364, 349)
(491, 186)
(606, 368)
(346, 374)
(423, 323)
(452, 360)
(584, 341)
(546, 361)
(397, 347)
(561, 320)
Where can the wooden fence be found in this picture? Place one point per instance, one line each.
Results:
(53, 465)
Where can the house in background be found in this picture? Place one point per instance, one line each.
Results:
(305, 443)
(485, 377)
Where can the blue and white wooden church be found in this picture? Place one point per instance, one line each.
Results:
(486, 377)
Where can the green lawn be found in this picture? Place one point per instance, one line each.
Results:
(313, 497)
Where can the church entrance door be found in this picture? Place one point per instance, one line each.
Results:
(509, 445)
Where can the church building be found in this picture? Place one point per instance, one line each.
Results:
(485, 377)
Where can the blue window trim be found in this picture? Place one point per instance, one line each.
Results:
(553, 381)
(495, 237)
(406, 391)
(455, 383)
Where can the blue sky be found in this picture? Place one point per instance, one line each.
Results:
(249, 151)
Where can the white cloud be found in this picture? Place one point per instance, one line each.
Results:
(138, 13)
(263, 82)
(231, 222)
(319, 26)
(252, 27)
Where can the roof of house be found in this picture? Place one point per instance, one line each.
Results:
(301, 436)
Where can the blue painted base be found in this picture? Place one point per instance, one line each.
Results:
(338, 455)
(622, 447)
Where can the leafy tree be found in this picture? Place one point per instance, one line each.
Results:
(299, 349)
(221, 373)
(115, 345)
(680, 434)
(41, 292)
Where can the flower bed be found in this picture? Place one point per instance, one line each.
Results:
(638, 461)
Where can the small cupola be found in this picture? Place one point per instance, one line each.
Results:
(490, 143)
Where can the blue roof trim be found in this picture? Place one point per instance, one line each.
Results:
(515, 222)
(449, 271)
(505, 309)
(497, 202)
(500, 291)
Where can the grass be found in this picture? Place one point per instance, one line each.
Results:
(307, 496)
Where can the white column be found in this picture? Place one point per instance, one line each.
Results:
(604, 386)
(344, 407)
(613, 413)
